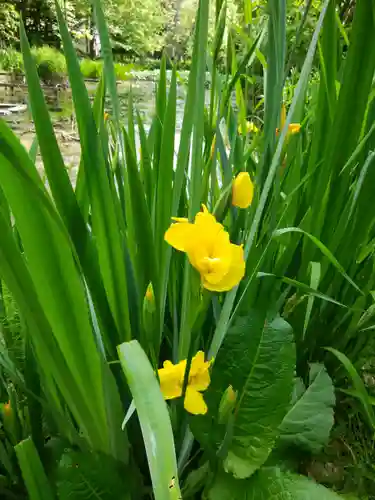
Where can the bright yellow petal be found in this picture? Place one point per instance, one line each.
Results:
(242, 190)
(180, 219)
(199, 375)
(171, 379)
(198, 364)
(179, 234)
(194, 402)
(201, 381)
(294, 128)
(206, 219)
(198, 359)
(202, 245)
(235, 274)
(168, 365)
(212, 255)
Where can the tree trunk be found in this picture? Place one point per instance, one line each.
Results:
(92, 35)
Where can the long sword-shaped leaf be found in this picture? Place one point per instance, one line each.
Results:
(58, 284)
(106, 229)
(37, 484)
(222, 324)
(154, 419)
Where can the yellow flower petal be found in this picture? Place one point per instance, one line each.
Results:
(180, 219)
(199, 375)
(171, 379)
(249, 127)
(205, 219)
(235, 274)
(198, 362)
(208, 246)
(179, 234)
(194, 402)
(294, 128)
(242, 191)
(209, 252)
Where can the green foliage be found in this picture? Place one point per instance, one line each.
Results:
(11, 60)
(154, 420)
(83, 476)
(123, 71)
(36, 481)
(270, 482)
(257, 360)
(94, 69)
(9, 19)
(50, 63)
(91, 69)
(310, 418)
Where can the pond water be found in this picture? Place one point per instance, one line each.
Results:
(61, 108)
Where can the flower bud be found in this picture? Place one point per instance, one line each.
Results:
(227, 404)
(242, 190)
(148, 312)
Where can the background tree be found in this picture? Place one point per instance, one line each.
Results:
(8, 24)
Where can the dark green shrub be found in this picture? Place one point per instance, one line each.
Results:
(51, 64)
(91, 69)
(11, 60)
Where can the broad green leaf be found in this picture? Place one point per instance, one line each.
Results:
(36, 481)
(154, 419)
(83, 475)
(269, 483)
(257, 359)
(309, 420)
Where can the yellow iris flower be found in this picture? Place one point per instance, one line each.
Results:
(249, 127)
(242, 190)
(293, 128)
(220, 263)
(172, 378)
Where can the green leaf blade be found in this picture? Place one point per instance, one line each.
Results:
(154, 419)
(309, 420)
